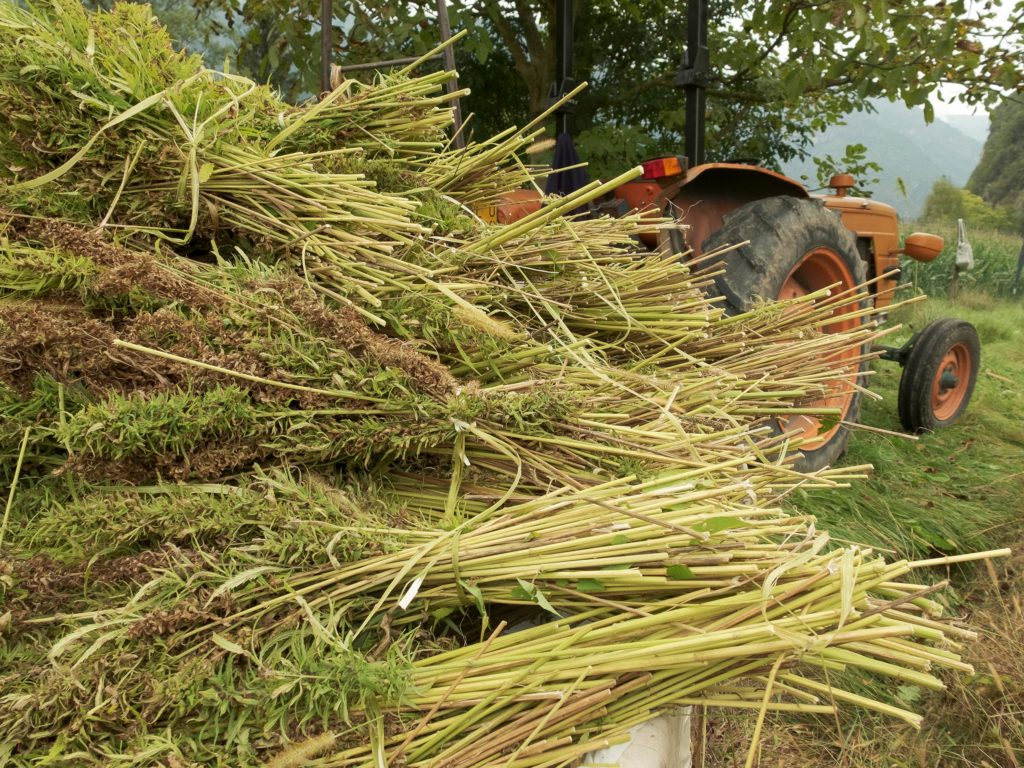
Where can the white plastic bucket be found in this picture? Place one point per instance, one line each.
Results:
(663, 742)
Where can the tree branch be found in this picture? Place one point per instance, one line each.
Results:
(779, 38)
(534, 41)
(510, 38)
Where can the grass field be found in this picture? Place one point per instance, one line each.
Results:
(958, 489)
(951, 490)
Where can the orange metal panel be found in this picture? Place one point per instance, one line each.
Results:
(640, 195)
(707, 193)
(644, 196)
(511, 207)
(877, 223)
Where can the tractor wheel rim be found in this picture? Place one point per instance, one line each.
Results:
(949, 387)
(820, 268)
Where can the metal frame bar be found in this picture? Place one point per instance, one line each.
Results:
(692, 78)
(897, 354)
(447, 57)
(564, 65)
(326, 43)
(387, 63)
(458, 139)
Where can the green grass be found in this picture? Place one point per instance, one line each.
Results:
(958, 489)
(953, 490)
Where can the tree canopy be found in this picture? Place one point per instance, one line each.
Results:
(999, 177)
(781, 69)
(947, 202)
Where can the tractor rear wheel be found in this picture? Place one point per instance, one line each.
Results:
(795, 247)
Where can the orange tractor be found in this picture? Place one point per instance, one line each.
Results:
(793, 243)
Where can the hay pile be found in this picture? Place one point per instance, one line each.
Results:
(292, 439)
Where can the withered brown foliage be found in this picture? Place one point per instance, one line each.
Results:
(205, 463)
(75, 347)
(50, 586)
(71, 344)
(124, 270)
(344, 327)
(193, 612)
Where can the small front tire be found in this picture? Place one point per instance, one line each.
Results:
(939, 375)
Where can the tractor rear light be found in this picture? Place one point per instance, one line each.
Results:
(663, 166)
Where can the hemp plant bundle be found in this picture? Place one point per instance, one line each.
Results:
(292, 439)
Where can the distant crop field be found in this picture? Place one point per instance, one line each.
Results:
(995, 256)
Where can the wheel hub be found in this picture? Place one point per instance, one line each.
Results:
(948, 380)
(949, 387)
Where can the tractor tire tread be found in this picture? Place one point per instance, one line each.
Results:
(778, 231)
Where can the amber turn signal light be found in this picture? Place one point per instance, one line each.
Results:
(663, 166)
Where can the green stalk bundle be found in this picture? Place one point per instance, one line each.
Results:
(306, 464)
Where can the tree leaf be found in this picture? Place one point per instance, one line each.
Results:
(679, 572)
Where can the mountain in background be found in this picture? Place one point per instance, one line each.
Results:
(973, 126)
(907, 148)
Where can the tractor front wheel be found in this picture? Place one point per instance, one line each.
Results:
(794, 247)
(939, 375)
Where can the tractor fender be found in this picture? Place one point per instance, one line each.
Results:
(708, 192)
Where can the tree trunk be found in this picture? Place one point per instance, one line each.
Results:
(526, 33)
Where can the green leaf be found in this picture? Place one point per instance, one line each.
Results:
(589, 585)
(241, 578)
(528, 591)
(543, 602)
(228, 645)
(909, 693)
(618, 567)
(475, 593)
(205, 172)
(518, 593)
(679, 572)
(860, 16)
(716, 524)
(829, 422)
